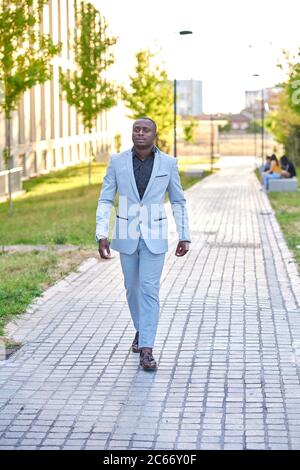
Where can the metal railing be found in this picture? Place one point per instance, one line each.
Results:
(16, 181)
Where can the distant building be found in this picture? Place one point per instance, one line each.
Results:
(47, 133)
(239, 122)
(189, 97)
(253, 99)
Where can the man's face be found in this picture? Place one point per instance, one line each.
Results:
(143, 133)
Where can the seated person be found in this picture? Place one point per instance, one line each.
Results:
(273, 173)
(288, 169)
(266, 166)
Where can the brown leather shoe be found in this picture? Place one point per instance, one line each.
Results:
(147, 361)
(135, 343)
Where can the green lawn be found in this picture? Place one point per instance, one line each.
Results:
(58, 208)
(287, 210)
(22, 277)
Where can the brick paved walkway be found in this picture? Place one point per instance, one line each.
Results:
(228, 343)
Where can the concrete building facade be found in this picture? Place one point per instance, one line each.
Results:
(253, 99)
(189, 97)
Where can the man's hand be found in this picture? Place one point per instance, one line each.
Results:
(104, 250)
(182, 248)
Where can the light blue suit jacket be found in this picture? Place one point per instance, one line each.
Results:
(146, 216)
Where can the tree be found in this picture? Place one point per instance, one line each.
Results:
(86, 87)
(226, 128)
(284, 120)
(284, 123)
(254, 127)
(151, 95)
(25, 55)
(189, 130)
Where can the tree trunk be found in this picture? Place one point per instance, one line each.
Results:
(90, 162)
(9, 160)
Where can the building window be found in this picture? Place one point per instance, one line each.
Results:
(59, 22)
(21, 121)
(43, 117)
(68, 28)
(52, 103)
(50, 18)
(69, 120)
(60, 103)
(22, 157)
(69, 153)
(35, 164)
(53, 158)
(44, 160)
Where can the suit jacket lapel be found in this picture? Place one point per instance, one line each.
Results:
(131, 173)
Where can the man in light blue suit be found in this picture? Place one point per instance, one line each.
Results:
(141, 177)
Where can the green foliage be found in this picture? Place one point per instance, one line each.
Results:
(118, 142)
(254, 127)
(189, 130)
(21, 279)
(287, 210)
(86, 87)
(5, 156)
(25, 53)
(284, 121)
(226, 128)
(151, 95)
(293, 84)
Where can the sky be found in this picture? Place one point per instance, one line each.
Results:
(231, 41)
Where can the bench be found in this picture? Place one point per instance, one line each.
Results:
(283, 184)
(16, 182)
(195, 172)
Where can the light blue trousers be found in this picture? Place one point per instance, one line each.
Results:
(270, 176)
(142, 271)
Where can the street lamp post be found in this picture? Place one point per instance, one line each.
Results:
(182, 33)
(211, 142)
(262, 115)
(253, 111)
(255, 140)
(262, 126)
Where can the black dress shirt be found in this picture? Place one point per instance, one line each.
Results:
(142, 170)
(291, 169)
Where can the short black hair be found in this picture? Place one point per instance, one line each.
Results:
(284, 160)
(147, 119)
